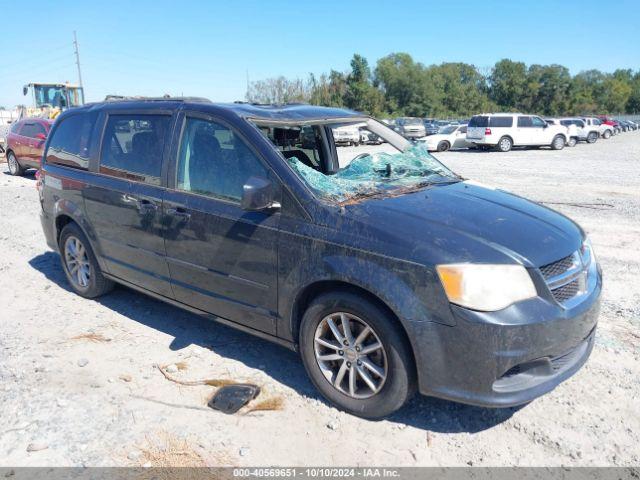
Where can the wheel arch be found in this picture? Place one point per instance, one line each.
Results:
(312, 291)
(66, 212)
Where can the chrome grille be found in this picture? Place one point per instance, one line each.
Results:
(558, 268)
(567, 277)
(565, 292)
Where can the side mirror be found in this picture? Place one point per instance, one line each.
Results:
(41, 136)
(258, 195)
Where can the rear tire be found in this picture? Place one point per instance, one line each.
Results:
(14, 167)
(443, 146)
(558, 143)
(573, 141)
(505, 144)
(80, 264)
(607, 134)
(592, 137)
(396, 382)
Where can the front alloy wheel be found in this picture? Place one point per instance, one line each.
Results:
(356, 354)
(350, 355)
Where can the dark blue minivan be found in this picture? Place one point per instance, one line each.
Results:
(388, 272)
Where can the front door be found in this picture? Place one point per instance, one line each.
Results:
(540, 132)
(124, 202)
(524, 132)
(222, 259)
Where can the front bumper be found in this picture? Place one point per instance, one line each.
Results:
(505, 358)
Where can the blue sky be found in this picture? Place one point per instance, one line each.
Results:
(206, 48)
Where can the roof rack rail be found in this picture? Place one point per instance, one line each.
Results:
(261, 104)
(124, 98)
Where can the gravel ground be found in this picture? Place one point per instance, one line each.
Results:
(79, 386)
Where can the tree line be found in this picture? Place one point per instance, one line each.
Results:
(400, 86)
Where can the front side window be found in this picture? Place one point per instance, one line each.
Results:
(71, 139)
(214, 161)
(133, 146)
(537, 122)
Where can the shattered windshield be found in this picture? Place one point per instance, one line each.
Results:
(376, 175)
(354, 159)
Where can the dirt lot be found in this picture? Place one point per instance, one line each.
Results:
(79, 386)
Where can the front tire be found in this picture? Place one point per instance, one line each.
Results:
(607, 134)
(14, 167)
(558, 142)
(355, 355)
(443, 146)
(80, 265)
(592, 137)
(505, 144)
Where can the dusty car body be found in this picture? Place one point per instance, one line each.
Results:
(388, 275)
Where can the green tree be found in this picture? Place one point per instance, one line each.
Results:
(507, 84)
(360, 94)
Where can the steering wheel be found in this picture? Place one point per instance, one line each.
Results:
(360, 155)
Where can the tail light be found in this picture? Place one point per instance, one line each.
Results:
(487, 131)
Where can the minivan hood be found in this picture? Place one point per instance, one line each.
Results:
(466, 222)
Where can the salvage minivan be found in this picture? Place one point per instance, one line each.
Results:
(388, 272)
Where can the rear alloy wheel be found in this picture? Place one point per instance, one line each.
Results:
(505, 144)
(443, 146)
(606, 134)
(592, 137)
(355, 355)
(80, 265)
(558, 143)
(14, 167)
(572, 142)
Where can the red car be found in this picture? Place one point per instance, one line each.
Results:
(25, 144)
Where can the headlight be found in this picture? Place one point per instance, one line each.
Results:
(587, 253)
(486, 287)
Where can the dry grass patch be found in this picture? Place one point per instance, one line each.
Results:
(92, 337)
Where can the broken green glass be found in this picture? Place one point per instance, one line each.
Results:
(375, 174)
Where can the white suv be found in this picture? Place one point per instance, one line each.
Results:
(586, 133)
(506, 130)
(605, 130)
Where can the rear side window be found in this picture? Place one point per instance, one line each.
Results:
(32, 129)
(501, 122)
(479, 121)
(15, 127)
(69, 145)
(525, 122)
(133, 146)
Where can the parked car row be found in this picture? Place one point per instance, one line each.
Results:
(503, 131)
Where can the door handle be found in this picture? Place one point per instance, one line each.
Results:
(146, 206)
(179, 212)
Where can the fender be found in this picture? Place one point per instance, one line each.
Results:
(389, 285)
(66, 207)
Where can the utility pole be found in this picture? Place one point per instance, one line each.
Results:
(75, 44)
